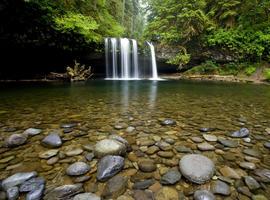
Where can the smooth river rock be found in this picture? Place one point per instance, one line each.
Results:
(219, 187)
(171, 177)
(64, 192)
(228, 143)
(16, 140)
(252, 183)
(109, 147)
(205, 147)
(203, 195)
(168, 122)
(210, 138)
(77, 169)
(17, 179)
(48, 154)
(147, 165)
(32, 184)
(197, 168)
(36, 194)
(167, 193)
(86, 196)
(109, 166)
(32, 131)
(243, 132)
(52, 140)
(115, 187)
(12, 193)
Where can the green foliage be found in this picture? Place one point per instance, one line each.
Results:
(267, 74)
(208, 67)
(251, 69)
(182, 58)
(230, 68)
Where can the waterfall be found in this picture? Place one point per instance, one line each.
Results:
(122, 60)
(154, 62)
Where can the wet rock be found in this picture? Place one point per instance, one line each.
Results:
(197, 168)
(171, 177)
(147, 165)
(247, 165)
(142, 195)
(167, 193)
(68, 125)
(164, 146)
(64, 192)
(122, 140)
(252, 152)
(52, 161)
(53, 140)
(82, 179)
(243, 132)
(17, 179)
(197, 139)
(203, 195)
(151, 150)
(77, 169)
(16, 140)
(32, 131)
(267, 145)
(210, 138)
(204, 130)
(32, 184)
(108, 166)
(74, 152)
(244, 190)
(147, 143)
(229, 172)
(86, 196)
(219, 187)
(141, 185)
(262, 175)
(36, 194)
(165, 154)
(168, 122)
(48, 154)
(228, 143)
(89, 156)
(109, 147)
(252, 183)
(205, 147)
(115, 187)
(13, 193)
(183, 149)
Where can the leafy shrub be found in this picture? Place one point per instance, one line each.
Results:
(208, 67)
(267, 74)
(230, 69)
(250, 70)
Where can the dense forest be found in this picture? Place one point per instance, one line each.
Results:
(235, 33)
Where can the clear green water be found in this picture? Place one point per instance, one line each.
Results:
(100, 105)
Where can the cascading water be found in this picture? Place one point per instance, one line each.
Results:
(122, 60)
(154, 62)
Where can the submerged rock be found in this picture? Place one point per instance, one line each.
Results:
(52, 140)
(262, 175)
(16, 140)
(48, 154)
(109, 147)
(205, 147)
(167, 193)
(68, 125)
(210, 138)
(203, 195)
(12, 193)
(115, 187)
(252, 183)
(32, 184)
(204, 130)
(168, 122)
(243, 132)
(197, 168)
(147, 165)
(32, 131)
(142, 185)
(64, 192)
(108, 166)
(122, 140)
(17, 179)
(77, 169)
(228, 143)
(171, 177)
(36, 194)
(219, 187)
(86, 196)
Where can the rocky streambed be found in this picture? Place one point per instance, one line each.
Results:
(127, 163)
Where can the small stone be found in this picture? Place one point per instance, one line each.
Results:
(228, 143)
(169, 140)
(115, 187)
(156, 138)
(203, 195)
(68, 125)
(243, 132)
(164, 146)
(168, 122)
(183, 149)
(48, 154)
(124, 197)
(81, 179)
(197, 168)
(74, 152)
(130, 129)
(210, 138)
(267, 145)
(197, 139)
(109, 166)
(52, 140)
(252, 152)
(86, 196)
(7, 159)
(141, 185)
(142, 195)
(262, 175)
(64, 192)
(171, 177)
(147, 143)
(205, 147)
(252, 183)
(15, 140)
(204, 130)
(167, 193)
(165, 154)
(247, 140)
(32, 131)
(244, 190)
(219, 187)
(229, 173)
(147, 165)
(17, 179)
(109, 147)
(121, 140)
(77, 169)
(267, 130)
(259, 197)
(12, 193)
(151, 150)
(89, 156)
(247, 165)
(52, 161)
